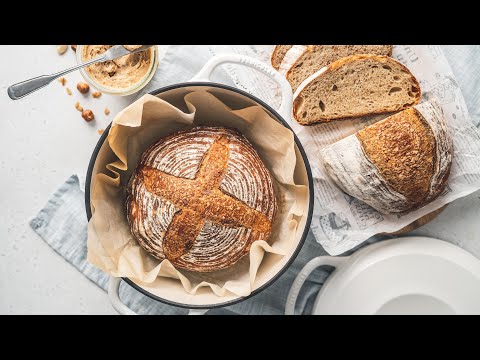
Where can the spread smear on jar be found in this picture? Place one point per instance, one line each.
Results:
(120, 73)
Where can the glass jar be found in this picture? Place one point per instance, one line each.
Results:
(120, 91)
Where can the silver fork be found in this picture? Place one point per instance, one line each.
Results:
(27, 87)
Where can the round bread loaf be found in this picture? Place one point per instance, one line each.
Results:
(200, 198)
(398, 164)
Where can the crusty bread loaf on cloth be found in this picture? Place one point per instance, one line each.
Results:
(396, 165)
(111, 246)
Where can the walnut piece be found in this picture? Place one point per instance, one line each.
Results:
(88, 115)
(96, 94)
(69, 92)
(106, 111)
(62, 81)
(78, 107)
(62, 49)
(83, 87)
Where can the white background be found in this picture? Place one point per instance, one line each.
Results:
(43, 141)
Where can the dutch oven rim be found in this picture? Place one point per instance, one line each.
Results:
(278, 117)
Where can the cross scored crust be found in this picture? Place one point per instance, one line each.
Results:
(211, 207)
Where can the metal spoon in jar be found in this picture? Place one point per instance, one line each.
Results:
(27, 87)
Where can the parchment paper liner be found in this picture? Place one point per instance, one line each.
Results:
(112, 248)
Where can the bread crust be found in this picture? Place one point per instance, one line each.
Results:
(335, 66)
(403, 150)
(200, 198)
(397, 165)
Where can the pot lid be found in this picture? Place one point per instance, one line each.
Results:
(411, 275)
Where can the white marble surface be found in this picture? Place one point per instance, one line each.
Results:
(44, 140)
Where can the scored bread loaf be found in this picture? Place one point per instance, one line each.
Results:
(355, 86)
(301, 61)
(396, 165)
(278, 54)
(200, 198)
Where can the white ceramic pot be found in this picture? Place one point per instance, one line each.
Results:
(235, 98)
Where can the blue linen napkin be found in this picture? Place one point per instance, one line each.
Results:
(62, 223)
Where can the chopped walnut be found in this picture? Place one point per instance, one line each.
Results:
(96, 94)
(74, 47)
(83, 87)
(100, 131)
(62, 81)
(106, 111)
(69, 92)
(88, 115)
(62, 49)
(78, 107)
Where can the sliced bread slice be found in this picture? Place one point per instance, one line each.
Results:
(292, 55)
(301, 61)
(355, 86)
(278, 54)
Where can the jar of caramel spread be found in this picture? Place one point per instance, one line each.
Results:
(122, 76)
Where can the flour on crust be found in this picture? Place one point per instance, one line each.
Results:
(359, 174)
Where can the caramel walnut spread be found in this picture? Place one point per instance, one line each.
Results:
(120, 73)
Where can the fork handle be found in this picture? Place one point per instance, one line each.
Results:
(27, 87)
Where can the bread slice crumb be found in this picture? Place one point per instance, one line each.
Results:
(106, 111)
(100, 131)
(355, 86)
(96, 94)
(62, 81)
(69, 92)
(302, 61)
(278, 55)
